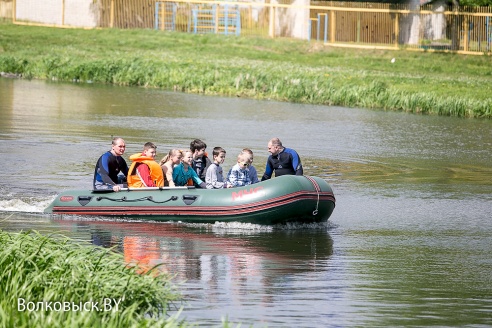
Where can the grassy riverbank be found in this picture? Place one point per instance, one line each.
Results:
(278, 69)
(55, 282)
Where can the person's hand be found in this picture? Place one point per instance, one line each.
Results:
(116, 188)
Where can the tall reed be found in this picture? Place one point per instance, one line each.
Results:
(52, 281)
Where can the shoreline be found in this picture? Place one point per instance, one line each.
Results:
(279, 69)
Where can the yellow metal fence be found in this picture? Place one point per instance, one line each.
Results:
(429, 27)
(364, 25)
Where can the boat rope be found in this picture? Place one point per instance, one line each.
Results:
(317, 188)
(149, 198)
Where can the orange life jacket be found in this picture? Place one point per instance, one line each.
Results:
(156, 174)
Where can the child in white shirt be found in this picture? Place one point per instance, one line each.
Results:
(214, 177)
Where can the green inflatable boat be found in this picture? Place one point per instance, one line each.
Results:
(287, 198)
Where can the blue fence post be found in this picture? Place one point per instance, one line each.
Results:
(226, 19)
(215, 19)
(325, 27)
(238, 22)
(488, 32)
(175, 12)
(195, 20)
(156, 16)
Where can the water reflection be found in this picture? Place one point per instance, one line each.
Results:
(229, 267)
(196, 253)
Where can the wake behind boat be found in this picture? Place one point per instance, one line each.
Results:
(287, 198)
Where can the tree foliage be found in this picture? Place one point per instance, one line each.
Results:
(475, 3)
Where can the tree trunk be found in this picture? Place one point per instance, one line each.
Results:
(455, 27)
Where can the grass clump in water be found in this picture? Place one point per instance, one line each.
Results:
(56, 282)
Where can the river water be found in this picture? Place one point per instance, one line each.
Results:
(409, 242)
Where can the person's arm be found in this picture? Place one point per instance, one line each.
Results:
(104, 169)
(232, 177)
(253, 175)
(246, 178)
(168, 172)
(296, 162)
(300, 170)
(212, 180)
(209, 178)
(268, 170)
(178, 176)
(216, 183)
(123, 166)
(207, 162)
(197, 180)
(143, 172)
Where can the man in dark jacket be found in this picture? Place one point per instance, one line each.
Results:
(109, 165)
(282, 161)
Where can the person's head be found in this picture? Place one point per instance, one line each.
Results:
(150, 150)
(187, 157)
(219, 155)
(118, 146)
(275, 146)
(249, 152)
(243, 160)
(174, 156)
(197, 147)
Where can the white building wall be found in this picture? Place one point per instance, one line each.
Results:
(80, 13)
(45, 12)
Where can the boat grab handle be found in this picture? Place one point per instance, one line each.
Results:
(189, 199)
(84, 200)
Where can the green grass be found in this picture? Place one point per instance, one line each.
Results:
(41, 269)
(278, 69)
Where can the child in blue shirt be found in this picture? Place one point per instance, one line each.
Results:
(253, 175)
(183, 172)
(239, 174)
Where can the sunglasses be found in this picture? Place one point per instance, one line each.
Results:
(245, 164)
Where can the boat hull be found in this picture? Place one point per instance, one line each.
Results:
(284, 199)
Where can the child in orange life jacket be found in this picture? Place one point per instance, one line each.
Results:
(168, 163)
(145, 171)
